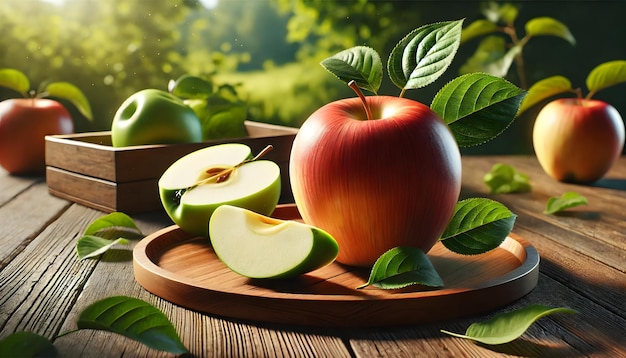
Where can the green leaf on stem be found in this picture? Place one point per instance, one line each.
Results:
(547, 26)
(71, 93)
(135, 319)
(401, 267)
(544, 89)
(15, 80)
(26, 344)
(477, 107)
(605, 75)
(360, 64)
(424, 54)
(507, 327)
(478, 225)
(568, 200)
(188, 87)
(496, 12)
(491, 56)
(504, 178)
(478, 28)
(113, 222)
(92, 246)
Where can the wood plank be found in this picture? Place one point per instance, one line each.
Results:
(592, 279)
(11, 185)
(205, 335)
(594, 331)
(33, 209)
(598, 233)
(40, 284)
(81, 153)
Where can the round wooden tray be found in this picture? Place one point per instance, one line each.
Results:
(183, 269)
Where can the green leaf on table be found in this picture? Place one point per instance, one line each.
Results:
(478, 28)
(91, 246)
(71, 93)
(187, 86)
(477, 107)
(15, 80)
(401, 267)
(508, 326)
(544, 89)
(605, 75)
(504, 178)
(478, 225)
(568, 200)
(547, 26)
(135, 319)
(25, 345)
(114, 223)
(424, 54)
(360, 64)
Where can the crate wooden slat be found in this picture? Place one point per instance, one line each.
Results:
(87, 169)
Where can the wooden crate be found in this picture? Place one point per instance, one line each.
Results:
(87, 169)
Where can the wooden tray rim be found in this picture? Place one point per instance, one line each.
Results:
(528, 266)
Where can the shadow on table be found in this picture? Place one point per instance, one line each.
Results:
(616, 184)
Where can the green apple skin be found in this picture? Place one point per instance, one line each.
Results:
(152, 116)
(247, 187)
(220, 119)
(261, 247)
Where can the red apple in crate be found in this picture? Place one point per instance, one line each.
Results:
(578, 140)
(24, 123)
(392, 180)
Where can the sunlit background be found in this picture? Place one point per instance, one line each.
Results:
(270, 49)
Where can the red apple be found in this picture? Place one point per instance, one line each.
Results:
(24, 122)
(389, 181)
(578, 140)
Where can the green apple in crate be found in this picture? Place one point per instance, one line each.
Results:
(152, 116)
(258, 246)
(201, 181)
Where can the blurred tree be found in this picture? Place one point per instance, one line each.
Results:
(324, 27)
(109, 49)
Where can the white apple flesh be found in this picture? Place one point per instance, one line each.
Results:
(578, 140)
(254, 185)
(262, 247)
(376, 184)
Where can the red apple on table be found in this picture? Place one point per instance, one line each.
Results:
(374, 184)
(578, 140)
(24, 123)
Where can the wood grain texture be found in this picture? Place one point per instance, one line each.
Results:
(33, 209)
(184, 269)
(43, 287)
(86, 169)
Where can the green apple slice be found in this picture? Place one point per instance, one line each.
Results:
(258, 246)
(190, 200)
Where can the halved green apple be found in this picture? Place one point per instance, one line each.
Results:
(196, 184)
(259, 246)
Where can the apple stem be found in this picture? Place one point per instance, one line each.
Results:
(579, 95)
(223, 175)
(358, 92)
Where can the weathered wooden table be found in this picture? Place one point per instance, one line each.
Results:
(43, 286)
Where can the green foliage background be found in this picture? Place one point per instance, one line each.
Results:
(271, 48)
